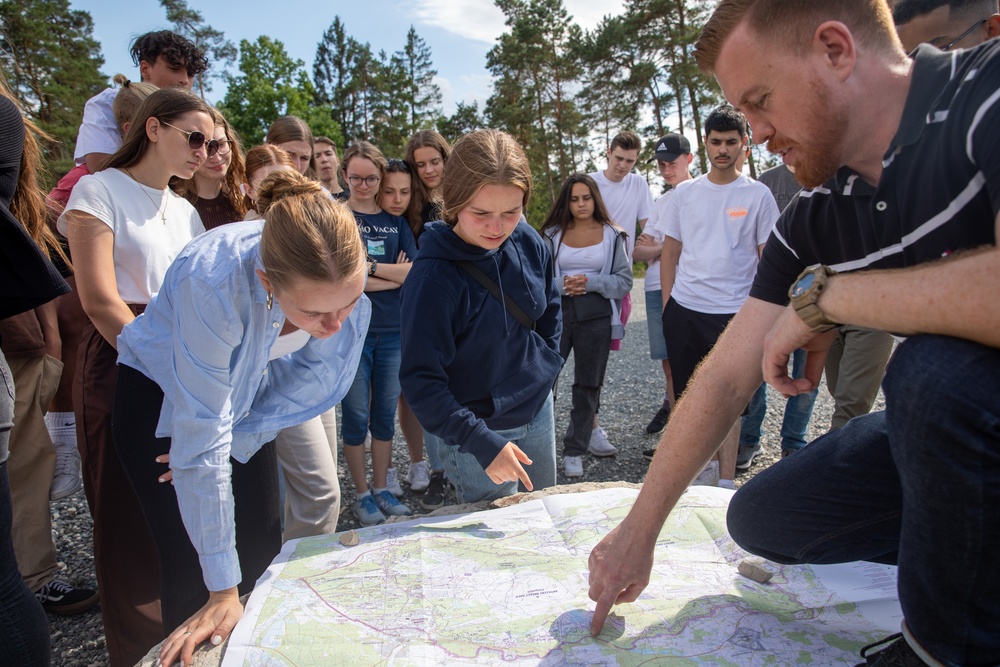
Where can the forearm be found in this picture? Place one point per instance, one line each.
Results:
(109, 317)
(668, 266)
(647, 252)
(715, 398)
(379, 284)
(395, 273)
(951, 297)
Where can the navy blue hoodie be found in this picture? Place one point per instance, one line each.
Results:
(468, 366)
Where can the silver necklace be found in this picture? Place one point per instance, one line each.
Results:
(163, 213)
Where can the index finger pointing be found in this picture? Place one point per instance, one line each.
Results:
(601, 611)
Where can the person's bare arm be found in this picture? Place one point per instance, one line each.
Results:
(955, 296)
(620, 564)
(95, 161)
(668, 265)
(646, 248)
(92, 243)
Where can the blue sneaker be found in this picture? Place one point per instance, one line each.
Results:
(389, 505)
(746, 455)
(367, 512)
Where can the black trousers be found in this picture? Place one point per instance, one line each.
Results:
(690, 336)
(255, 490)
(590, 340)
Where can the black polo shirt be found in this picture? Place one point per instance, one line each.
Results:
(939, 191)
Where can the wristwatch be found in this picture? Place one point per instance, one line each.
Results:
(805, 292)
(372, 265)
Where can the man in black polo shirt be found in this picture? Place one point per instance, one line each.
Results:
(903, 161)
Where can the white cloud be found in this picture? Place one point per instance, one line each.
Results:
(482, 21)
(478, 20)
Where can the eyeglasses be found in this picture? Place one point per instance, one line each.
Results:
(196, 140)
(397, 165)
(370, 181)
(965, 34)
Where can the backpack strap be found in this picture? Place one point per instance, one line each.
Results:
(494, 289)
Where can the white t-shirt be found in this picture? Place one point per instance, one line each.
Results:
(144, 245)
(654, 228)
(719, 227)
(575, 261)
(627, 201)
(98, 131)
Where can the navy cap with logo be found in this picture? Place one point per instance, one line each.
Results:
(670, 147)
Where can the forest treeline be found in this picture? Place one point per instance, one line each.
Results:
(561, 90)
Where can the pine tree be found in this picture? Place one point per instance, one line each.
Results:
(423, 96)
(52, 62)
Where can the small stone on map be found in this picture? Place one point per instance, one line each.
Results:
(749, 570)
(351, 539)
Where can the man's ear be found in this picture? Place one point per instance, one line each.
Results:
(993, 26)
(835, 43)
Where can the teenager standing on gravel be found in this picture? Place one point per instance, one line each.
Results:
(481, 325)
(204, 377)
(593, 272)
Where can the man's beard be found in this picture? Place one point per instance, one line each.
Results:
(818, 161)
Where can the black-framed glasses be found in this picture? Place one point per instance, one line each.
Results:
(370, 181)
(947, 47)
(196, 140)
(397, 165)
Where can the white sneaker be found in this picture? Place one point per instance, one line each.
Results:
(573, 466)
(418, 476)
(67, 478)
(599, 445)
(709, 476)
(392, 482)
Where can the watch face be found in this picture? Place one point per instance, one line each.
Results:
(805, 282)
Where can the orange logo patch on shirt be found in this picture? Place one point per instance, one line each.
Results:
(735, 213)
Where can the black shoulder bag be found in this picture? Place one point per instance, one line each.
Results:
(494, 289)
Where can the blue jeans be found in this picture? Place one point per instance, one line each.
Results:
(917, 485)
(24, 629)
(798, 410)
(537, 439)
(370, 403)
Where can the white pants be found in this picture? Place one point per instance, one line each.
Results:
(307, 454)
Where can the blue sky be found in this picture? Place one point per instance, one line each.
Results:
(459, 32)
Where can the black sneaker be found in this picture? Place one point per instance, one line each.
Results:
(659, 419)
(58, 597)
(433, 497)
(649, 453)
(897, 654)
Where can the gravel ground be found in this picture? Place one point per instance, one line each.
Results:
(633, 389)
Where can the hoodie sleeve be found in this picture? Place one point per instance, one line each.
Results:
(617, 283)
(431, 320)
(549, 325)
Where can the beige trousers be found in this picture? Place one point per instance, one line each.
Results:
(31, 465)
(307, 454)
(855, 366)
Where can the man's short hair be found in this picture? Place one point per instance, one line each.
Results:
(904, 11)
(326, 140)
(176, 50)
(724, 118)
(627, 141)
(792, 23)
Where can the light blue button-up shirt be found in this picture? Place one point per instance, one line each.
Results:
(205, 339)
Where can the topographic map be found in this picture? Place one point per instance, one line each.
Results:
(509, 587)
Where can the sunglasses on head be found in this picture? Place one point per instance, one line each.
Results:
(196, 140)
(395, 164)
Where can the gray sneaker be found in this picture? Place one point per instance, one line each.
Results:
(573, 466)
(599, 445)
(367, 511)
(709, 476)
(392, 482)
(746, 455)
(390, 505)
(67, 479)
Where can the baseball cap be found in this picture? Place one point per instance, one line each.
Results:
(670, 147)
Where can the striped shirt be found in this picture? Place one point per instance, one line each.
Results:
(939, 191)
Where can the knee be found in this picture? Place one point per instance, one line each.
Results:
(749, 525)
(941, 369)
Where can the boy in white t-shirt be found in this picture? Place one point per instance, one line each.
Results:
(714, 229)
(164, 59)
(673, 158)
